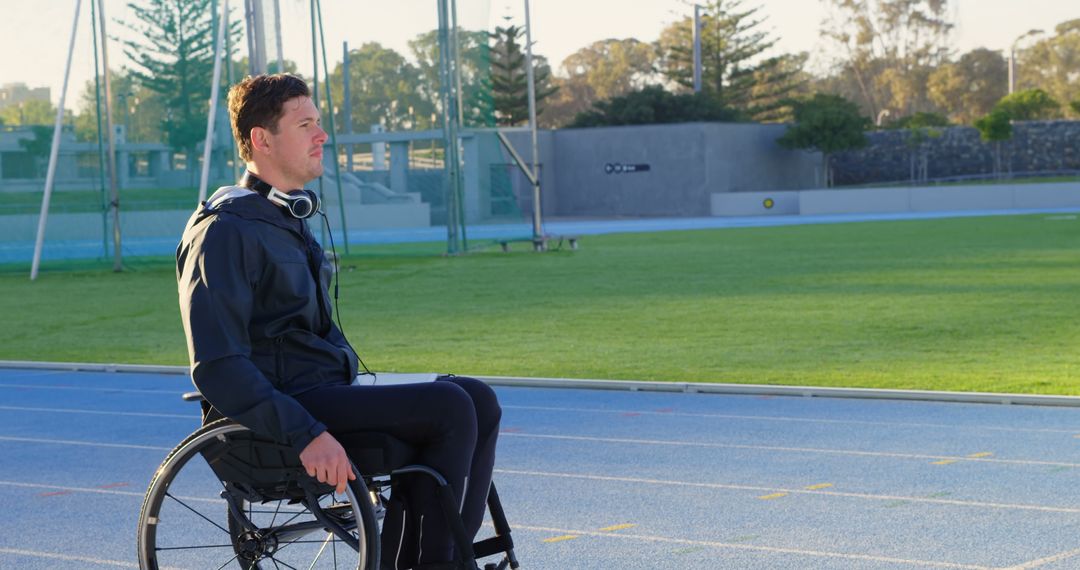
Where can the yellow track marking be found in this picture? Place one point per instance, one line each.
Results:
(818, 486)
(772, 496)
(617, 527)
(980, 454)
(943, 462)
(562, 538)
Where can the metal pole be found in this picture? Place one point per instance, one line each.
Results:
(100, 143)
(219, 42)
(114, 191)
(455, 59)
(697, 48)
(54, 152)
(538, 230)
(346, 105)
(333, 131)
(451, 164)
(1012, 70)
(229, 81)
(277, 37)
(259, 55)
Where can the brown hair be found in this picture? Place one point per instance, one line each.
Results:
(257, 101)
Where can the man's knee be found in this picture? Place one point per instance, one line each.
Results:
(486, 403)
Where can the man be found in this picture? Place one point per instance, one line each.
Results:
(264, 348)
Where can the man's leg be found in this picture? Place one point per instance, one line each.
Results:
(439, 420)
(488, 415)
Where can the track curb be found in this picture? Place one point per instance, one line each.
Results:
(645, 386)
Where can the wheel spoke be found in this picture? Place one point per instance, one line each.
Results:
(185, 505)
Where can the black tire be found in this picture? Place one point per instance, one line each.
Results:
(186, 519)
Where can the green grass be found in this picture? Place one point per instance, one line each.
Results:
(81, 201)
(984, 304)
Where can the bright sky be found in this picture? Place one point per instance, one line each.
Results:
(34, 35)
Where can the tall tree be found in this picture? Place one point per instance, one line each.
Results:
(1052, 63)
(969, 87)
(889, 49)
(599, 71)
(734, 69)
(174, 58)
(383, 85)
(31, 112)
(136, 107)
(478, 110)
(509, 79)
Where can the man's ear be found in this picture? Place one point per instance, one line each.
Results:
(260, 139)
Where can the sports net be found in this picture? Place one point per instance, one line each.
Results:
(388, 188)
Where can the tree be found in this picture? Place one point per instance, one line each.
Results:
(734, 69)
(1075, 106)
(995, 127)
(827, 124)
(601, 70)
(1051, 63)
(890, 47)
(920, 129)
(654, 105)
(383, 85)
(135, 106)
(30, 112)
(474, 56)
(970, 87)
(175, 60)
(509, 82)
(1029, 105)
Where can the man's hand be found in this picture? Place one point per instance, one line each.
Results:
(325, 460)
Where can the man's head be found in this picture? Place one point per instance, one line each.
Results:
(277, 128)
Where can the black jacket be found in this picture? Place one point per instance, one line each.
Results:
(255, 307)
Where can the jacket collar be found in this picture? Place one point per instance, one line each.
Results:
(245, 203)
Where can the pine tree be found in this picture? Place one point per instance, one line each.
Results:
(175, 59)
(509, 83)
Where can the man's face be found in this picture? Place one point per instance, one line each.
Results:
(297, 147)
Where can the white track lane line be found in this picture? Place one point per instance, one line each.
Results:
(192, 416)
(82, 443)
(175, 393)
(787, 449)
(67, 557)
(788, 419)
(757, 489)
(769, 549)
(1045, 561)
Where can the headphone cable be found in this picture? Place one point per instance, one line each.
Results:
(337, 281)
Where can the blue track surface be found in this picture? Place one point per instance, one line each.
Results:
(615, 480)
(13, 252)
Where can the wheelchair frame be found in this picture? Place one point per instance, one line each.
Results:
(308, 519)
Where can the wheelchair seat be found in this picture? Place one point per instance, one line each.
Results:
(268, 513)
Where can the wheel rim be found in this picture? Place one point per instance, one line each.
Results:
(186, 520)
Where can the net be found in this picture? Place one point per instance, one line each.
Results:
(387, 86)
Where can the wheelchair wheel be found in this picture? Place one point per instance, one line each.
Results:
(225, 498)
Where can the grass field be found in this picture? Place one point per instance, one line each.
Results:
(984, 304)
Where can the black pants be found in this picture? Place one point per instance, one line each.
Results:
(453, 423)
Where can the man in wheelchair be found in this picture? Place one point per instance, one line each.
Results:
(266, 352)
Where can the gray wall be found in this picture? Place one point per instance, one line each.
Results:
(687, 164)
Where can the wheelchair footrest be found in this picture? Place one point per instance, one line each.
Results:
(493, 545)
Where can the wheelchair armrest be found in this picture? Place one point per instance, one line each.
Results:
(193, 397)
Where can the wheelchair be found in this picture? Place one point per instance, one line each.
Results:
(226, 497)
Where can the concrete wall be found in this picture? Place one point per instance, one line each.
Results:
(687, 163)
(901, 200)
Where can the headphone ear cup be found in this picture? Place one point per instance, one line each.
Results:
(304, 203)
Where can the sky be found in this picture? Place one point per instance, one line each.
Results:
(35, 34)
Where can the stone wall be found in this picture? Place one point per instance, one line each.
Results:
(1036, 146)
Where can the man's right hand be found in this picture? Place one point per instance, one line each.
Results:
(325, 460)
